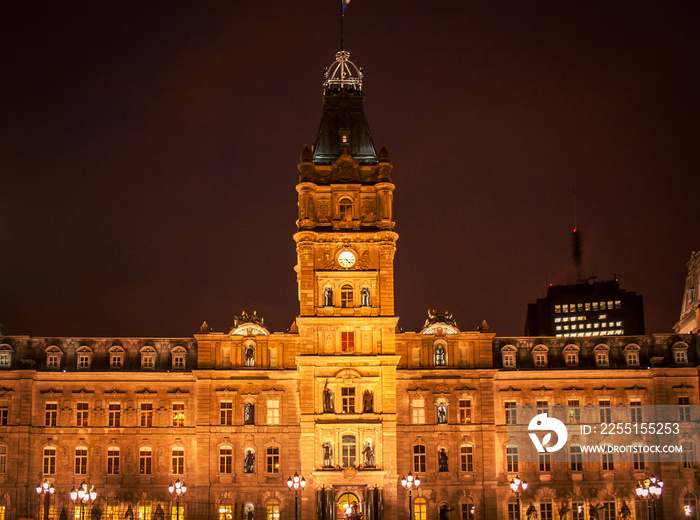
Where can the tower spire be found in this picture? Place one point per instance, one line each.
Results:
(576, 251)
(343, 5)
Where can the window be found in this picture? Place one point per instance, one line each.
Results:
(226, 413)
(82, 414)
(545, 462)
(464, 408)
(689, 506)
(273, 411)
(226, 460)
(574, 412)
(632, 355)
(638, 461)
(466, 458)
(83, 360)
(3, 459)
(577, 510)
(636, 411)
(116, 357)
(148, 358)
(575, 458)
(539, 354)
(511, 415)
(418, 409)
(273, 509)
(601, 354)
(609, 512)
(346, 296)
(273, 459)
(178, 461)
(49, 461)
(420, 509)
(347, 341)
(114, 417)
(542, 406)
(225, 511)
(53, 360)
(605, 410)
(508, 356)
(348, 397)
(512, 459)
(145, 458)
(546, 509)
(571, 357)
(178, 414)
(348, 451)
(608, 461)
(345, 209)
(680, 353)
(144, 511)
(4, 415)
(688, 454)
(112, 460)
(178, 361)
(684, 408)
(81, 456)
(513, 512)
(468, 510)
(146, 415)
(419, 458)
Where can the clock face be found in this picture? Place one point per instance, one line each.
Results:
(346, 259)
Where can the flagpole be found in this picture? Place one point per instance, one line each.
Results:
(342, 15)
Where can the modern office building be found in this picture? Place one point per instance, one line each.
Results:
(586, 310)
(344, 399)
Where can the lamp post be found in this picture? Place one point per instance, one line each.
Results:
(518, 486)
(296, 483)
(83, 496)
(177, 490)
(649, 490)
(47, 489)
(409, 482)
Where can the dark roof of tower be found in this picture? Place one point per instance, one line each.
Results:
(343, 115)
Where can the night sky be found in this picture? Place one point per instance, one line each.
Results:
(148, 155)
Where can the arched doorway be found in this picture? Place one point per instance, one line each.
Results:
(349, 507)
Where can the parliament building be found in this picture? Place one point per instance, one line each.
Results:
(344, 398)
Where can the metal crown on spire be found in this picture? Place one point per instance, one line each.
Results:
(343, 75)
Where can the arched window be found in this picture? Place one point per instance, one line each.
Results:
(345, 209)
(680, 353)
(468, 509)
(225, 510)
(539, 355)
(349, 453)
(632, 355)
(148, 358)
(602, 358)
(84, 358)
(5, 355)
(348, 505)
(346, 296)
(53, 357)
(420, 509)
(273, 509)
(571, 355)
(248, 511)
(690, 506)
(116, 357)
(508, 356)
(179, 358)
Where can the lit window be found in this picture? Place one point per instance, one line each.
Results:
(468, 510)
(466, 458)
(81, 459)
(178, 461)
(557, 309)
(574, 411)
(348, 454)
(465, 411)
(273, 411)
(420, 509)
(618, 304)
(112, 461)
(419, 458)
(273, 509)
(565, 308)
(226, 413)
(82, 414)
(178, 414)
(418, 406)
(579, 307)
(146, 415)
(226, 460)
(114, 417)
(347, 341)
(595, 306)
(346, 296)
(145, 459)
(49, 461)
(512, 463)
(348, 398)
(273, 459)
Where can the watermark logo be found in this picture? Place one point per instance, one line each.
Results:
(542, 422)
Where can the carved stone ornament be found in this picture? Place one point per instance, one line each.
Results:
(345, 168)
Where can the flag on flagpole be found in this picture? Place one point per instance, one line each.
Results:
(345, 4)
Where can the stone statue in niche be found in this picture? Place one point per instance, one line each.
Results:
(248, 512)
(367, 402)
(159, 514)
(564, 511)
(443, 465)
(129, 515)
(440, 355)
(328, 399)
(249, 462)
(328, 454)
(531, 512)
(442, 414)
(328, 297)
(445, 512)
(249, 356)
(368, 454)
(364, 297)
(249, 413)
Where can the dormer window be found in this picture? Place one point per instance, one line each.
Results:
(148, 358)
(539, 354)
(116, 357)
(632, 355)
(179, 355)
(680, 353)
(344, 137)
(571, 355)
(5, 356)
(53, 357)
(84, 358)
(508, 356)
(602, 358)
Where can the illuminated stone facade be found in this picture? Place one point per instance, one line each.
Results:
(689, 322)
(344, 398)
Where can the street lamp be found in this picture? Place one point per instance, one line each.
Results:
(518, 486)
(649, 490)
(177, 490)
(83, 496)
(409, 482)
(296, 483)
(47, 489)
